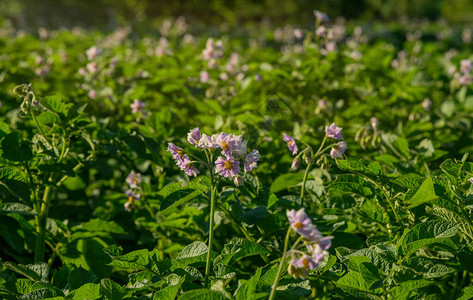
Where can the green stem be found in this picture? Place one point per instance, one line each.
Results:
(304, 180)
(37, 125)
(43, 216)
(211, 234)
(212, 212)
(281, 265)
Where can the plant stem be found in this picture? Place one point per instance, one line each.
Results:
(211, 234)
(211, 225)
(281, 265)
(43, 216)
(304, 180)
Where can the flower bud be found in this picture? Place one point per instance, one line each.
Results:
(307, 157)
(238, 180)
(295, 164)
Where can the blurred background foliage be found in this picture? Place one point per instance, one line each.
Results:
(105, 14)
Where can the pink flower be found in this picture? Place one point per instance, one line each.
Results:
(427, 104)
(137, 106)
(299, 267)
(132, 195)
(464, 79)
(301, 223)
(92, 67)
(319, 250)
(133, 179)
(465, 66)
(194, 136)
(92, 94)
(470, 180)
(291, 144)
(204, 76)
(227, 167)
(333, 131)
(226, 142)
(176, 152)
(338, 150)
(251, 160)
(208, 142)
(93, 52)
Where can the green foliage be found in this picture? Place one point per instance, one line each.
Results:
(397, 204)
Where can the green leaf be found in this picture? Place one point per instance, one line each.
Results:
(15, 183)
(273, 199)
(191, 254)
(4, 129)
(179, 202)
(89, 291)
(36, 272)
(284, 181)
(352, 282)
(425, 194)
(203, 294)
(17, 208)
(111, 290)
(370, 273)
(78, 277)
(102, 225)
(169, 292)
(237, 249)
(55, 104)
(247, 290)
(138, 259)
(409, 288)
(61, 168)
(361, 166)
(48, 118)
(466, 293)
(428, 267)
(14, 150)
(428, 233)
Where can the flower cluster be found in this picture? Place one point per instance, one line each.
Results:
(335, 132)
(134, 191)
(465, 69)
(233, 155)
(316, 245)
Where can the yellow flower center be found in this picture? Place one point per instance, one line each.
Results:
(180, 152)
(298, 225)
(305, 262)
(290, 143)
(130, 199)
(225, 146)
(228, 165)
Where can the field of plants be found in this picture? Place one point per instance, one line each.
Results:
(261, 163)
